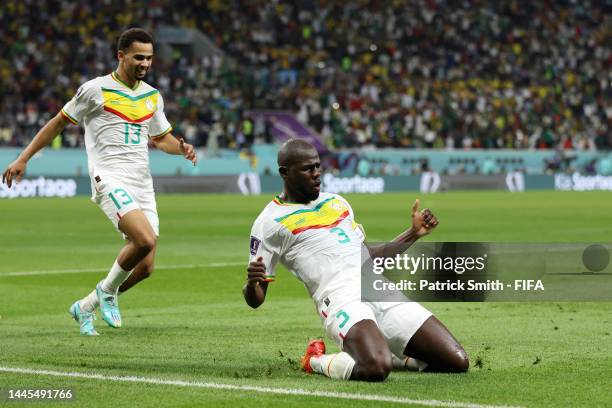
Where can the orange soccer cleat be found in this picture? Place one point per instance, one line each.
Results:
(315, 348)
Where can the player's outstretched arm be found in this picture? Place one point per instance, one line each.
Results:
(16, 169)
(254, 291)
(423, 223)
(169, 144)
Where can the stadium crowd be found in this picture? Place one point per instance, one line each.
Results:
(423, 73)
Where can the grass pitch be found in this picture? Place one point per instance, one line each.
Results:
(189, 321)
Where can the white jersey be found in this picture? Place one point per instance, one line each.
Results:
(319, 242)
(118, 122)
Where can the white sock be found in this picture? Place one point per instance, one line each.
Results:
(408, 363)
(338, 366)
(116, 276)
(89, 302)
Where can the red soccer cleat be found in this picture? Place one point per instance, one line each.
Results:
(315, 348)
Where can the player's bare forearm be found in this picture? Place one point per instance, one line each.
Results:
(169, 144)
(16, 170)
(397, 246)
(255, 293)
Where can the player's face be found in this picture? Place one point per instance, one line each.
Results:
(137, 59)
(304, 177)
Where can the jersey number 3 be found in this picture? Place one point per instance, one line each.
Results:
(342, 237)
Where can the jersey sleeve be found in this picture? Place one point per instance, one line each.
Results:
(265, 243)
(159, 125)
(81, 104)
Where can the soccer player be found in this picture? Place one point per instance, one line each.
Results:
(120, 113)
(317, 238)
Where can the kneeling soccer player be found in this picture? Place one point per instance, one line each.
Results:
(316, 237)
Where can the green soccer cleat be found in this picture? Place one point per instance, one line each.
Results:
(84, 319)
(109, 307)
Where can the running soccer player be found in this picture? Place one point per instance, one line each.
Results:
(120, 113)
(316, 237)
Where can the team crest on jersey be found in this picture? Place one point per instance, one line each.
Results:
(149, 104)
(254, 246)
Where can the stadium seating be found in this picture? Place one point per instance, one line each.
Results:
(400, 74)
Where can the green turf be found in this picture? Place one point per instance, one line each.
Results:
(190, 323)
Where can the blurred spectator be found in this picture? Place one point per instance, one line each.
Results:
(364, 167)
(560, 162)
(590, 168)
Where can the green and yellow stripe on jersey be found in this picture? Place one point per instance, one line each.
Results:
(69, 118)
(133, 109)
(327, 214)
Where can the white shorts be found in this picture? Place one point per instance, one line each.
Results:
(117, 198)
(397, 321)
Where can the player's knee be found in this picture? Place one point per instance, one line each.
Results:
(146, 242)
(459, 362)
(377, 369)
(377, 372)
(462, 363)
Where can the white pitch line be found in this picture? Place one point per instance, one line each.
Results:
(264, 390)
(93, 270)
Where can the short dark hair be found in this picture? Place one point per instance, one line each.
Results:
(293, 150)
(133, 35)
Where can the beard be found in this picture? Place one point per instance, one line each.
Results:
(312, 195)
(140, 74)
